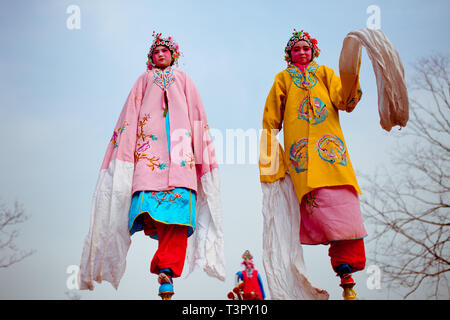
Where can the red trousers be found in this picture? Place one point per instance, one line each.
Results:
(349, 252)
(172, 244)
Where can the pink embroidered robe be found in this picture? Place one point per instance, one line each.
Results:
(137, 158)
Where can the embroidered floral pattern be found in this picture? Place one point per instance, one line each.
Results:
(331, 149)
(163, 78)
(319, 112)
(306, 81)
(141, 133)
(116, 133)
(299, 155)
(165, 196)
(188, 158)
(137, 100)
(353, 101)
(143, 144)
(188, 161)
(310, 200)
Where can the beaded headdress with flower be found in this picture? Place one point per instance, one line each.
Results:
(299, 36)
(168, 42)
(248, 260)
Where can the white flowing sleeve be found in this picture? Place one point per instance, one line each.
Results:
(282, 250)
(206, 245)
(393, 102)
(107, 242)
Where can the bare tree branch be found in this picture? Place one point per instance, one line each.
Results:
(409, 206)
(10, 254)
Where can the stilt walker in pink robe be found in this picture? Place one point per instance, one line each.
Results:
(160, 176)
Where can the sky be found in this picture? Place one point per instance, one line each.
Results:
(62, 89)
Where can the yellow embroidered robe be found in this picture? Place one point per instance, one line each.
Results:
(306, 106)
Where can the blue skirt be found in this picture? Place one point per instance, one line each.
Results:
(175, 206)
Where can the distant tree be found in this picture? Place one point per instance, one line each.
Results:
(408, 207)
(9, 253)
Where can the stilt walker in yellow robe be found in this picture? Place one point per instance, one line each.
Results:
(305, 100)
(310, 192)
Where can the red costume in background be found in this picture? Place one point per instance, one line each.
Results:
(251, 287)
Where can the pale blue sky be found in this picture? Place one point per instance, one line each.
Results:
(62, 91)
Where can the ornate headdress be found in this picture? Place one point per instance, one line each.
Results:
(168, 42)
(299, 36)
(248, 260)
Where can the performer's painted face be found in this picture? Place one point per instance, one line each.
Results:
(162, 57)
(301, 53)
